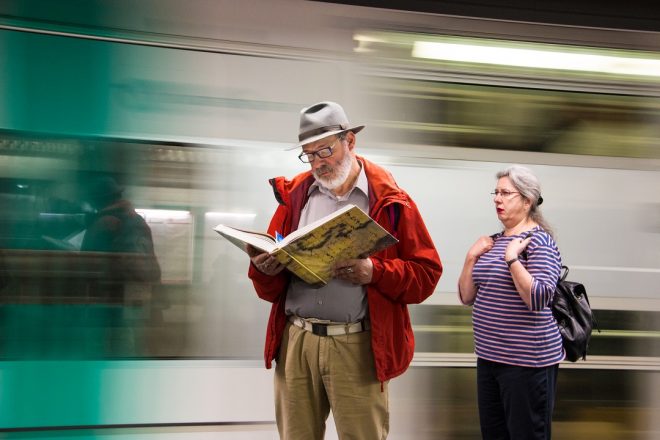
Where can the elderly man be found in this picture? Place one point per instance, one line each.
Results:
(361, 335)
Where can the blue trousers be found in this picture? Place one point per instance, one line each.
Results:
(515, 403)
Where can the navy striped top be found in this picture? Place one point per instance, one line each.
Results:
(505, 329)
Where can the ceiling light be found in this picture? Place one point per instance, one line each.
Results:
(536, 58)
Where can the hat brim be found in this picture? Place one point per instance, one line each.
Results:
(323, 135)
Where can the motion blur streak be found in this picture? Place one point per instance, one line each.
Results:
(181, 111)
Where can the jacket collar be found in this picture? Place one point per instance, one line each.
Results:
(383, 189)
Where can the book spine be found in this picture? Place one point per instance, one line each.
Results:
(298, 268)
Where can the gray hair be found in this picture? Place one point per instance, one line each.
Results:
(529, 187)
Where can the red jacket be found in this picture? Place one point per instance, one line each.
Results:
(406, 273)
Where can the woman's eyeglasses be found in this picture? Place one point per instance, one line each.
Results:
(504, 193)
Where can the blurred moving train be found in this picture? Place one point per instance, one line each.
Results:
(189, 107)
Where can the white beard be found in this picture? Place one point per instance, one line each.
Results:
(341, 173)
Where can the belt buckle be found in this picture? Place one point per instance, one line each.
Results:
(319, 329)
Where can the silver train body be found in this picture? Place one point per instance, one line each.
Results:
(191, 106)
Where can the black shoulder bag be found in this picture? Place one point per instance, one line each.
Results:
(571, 309)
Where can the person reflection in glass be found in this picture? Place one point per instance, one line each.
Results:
(115, 226)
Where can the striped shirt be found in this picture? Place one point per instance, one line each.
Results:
(505, 329)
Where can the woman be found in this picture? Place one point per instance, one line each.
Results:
(510, 278)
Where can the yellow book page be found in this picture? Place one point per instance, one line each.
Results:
(299, 269)
(353, 234)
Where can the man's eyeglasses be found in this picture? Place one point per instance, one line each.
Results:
(322, 153)
(504, 193)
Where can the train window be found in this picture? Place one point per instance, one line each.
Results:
(107, 250)
(515, 60)
(463, 95)
(512, 118)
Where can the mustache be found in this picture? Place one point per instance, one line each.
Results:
(323, 169)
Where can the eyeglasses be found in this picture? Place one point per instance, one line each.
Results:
(322, 153)
(504, 193)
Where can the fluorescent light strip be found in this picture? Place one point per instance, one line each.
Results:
(163, 214)
(238, 215)
(538, 59)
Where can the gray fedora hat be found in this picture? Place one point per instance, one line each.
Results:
(322, 120)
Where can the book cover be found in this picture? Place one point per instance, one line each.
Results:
(311, 251)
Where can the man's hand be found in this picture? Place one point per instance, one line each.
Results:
(355, 271)
(264, 262)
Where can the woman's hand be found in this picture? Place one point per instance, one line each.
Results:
(480, 247)
(515, 248)
(467, 291)
(522, 279)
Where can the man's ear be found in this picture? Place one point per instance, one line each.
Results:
(350, 137)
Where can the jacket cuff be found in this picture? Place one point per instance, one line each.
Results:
(255, 275)
(377, 271)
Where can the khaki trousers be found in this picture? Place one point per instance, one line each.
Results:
(316, 374)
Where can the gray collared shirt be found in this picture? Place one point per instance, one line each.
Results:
(337, 301)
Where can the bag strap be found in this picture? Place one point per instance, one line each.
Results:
(563, 276)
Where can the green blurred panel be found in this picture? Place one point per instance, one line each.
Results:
(54, 84)
(65, 331)
(36, 396)
(61, 389)
(90, 12)
(55, 394)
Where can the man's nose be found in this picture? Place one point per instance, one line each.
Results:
(319, 161)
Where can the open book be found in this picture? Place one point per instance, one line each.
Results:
(71, 243)
(311, 251)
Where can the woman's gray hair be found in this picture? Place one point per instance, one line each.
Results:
(529, 187)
